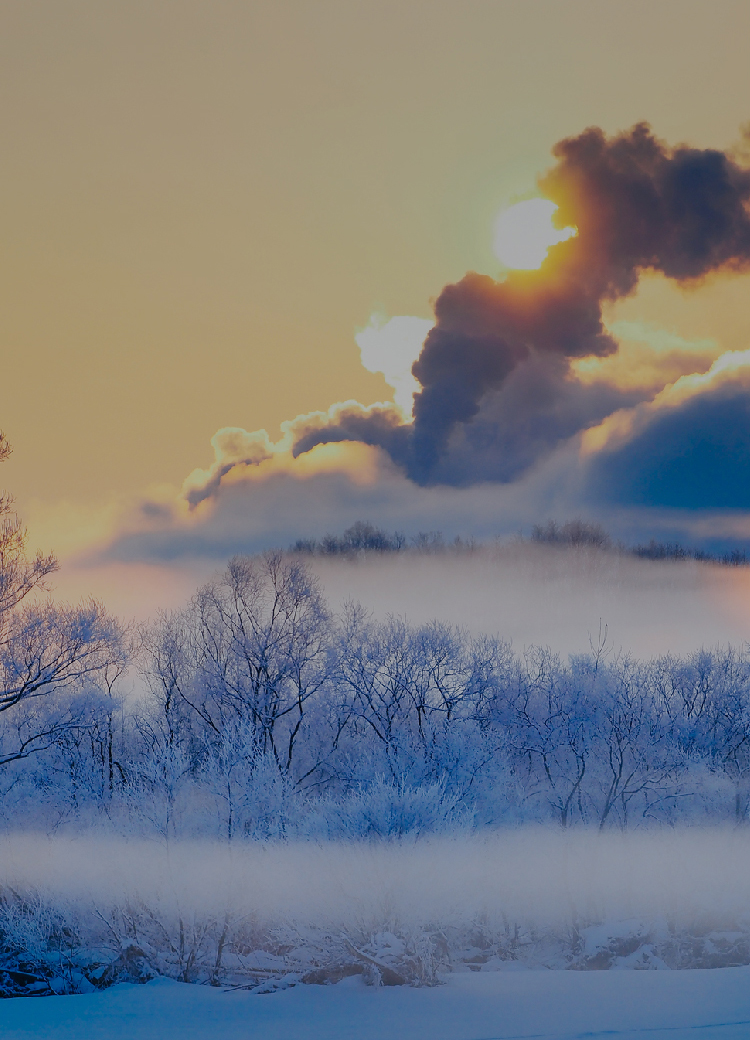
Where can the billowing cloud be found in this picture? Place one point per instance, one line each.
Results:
(233, 448)
(638, 206)
(540, 405)
(380, 425)
(241, 455)
(688, 449)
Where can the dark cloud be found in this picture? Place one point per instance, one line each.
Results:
(483, 331)
(692, 456)
(539, 405)
(377, 426)
(638, 205)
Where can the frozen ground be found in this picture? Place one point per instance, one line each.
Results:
(623, 1005)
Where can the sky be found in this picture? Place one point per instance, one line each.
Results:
(210, 213)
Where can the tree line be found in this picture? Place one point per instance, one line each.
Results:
(260, 713)
(365, 538)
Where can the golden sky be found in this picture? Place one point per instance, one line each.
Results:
(203, 202)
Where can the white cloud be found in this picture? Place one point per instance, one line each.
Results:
(392, 347)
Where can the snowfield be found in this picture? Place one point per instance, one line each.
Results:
(545, 1005)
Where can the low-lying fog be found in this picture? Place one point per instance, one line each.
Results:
(551, 596)
(534, 876)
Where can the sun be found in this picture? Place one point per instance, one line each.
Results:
(524, 233)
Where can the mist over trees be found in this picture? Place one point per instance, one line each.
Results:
(261, 721)
(261, 713)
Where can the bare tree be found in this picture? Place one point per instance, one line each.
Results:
(45, 649)
(18, 575)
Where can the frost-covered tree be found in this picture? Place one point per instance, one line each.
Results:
(48, 652)
(237, 674)
(550, 719)
(418, 698)
(711, 691)
(19, 575)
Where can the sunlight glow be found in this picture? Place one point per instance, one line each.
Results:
(524, 233)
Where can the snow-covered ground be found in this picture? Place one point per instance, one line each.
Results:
(658, 1005)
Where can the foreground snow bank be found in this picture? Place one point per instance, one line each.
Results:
(552, 1005)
